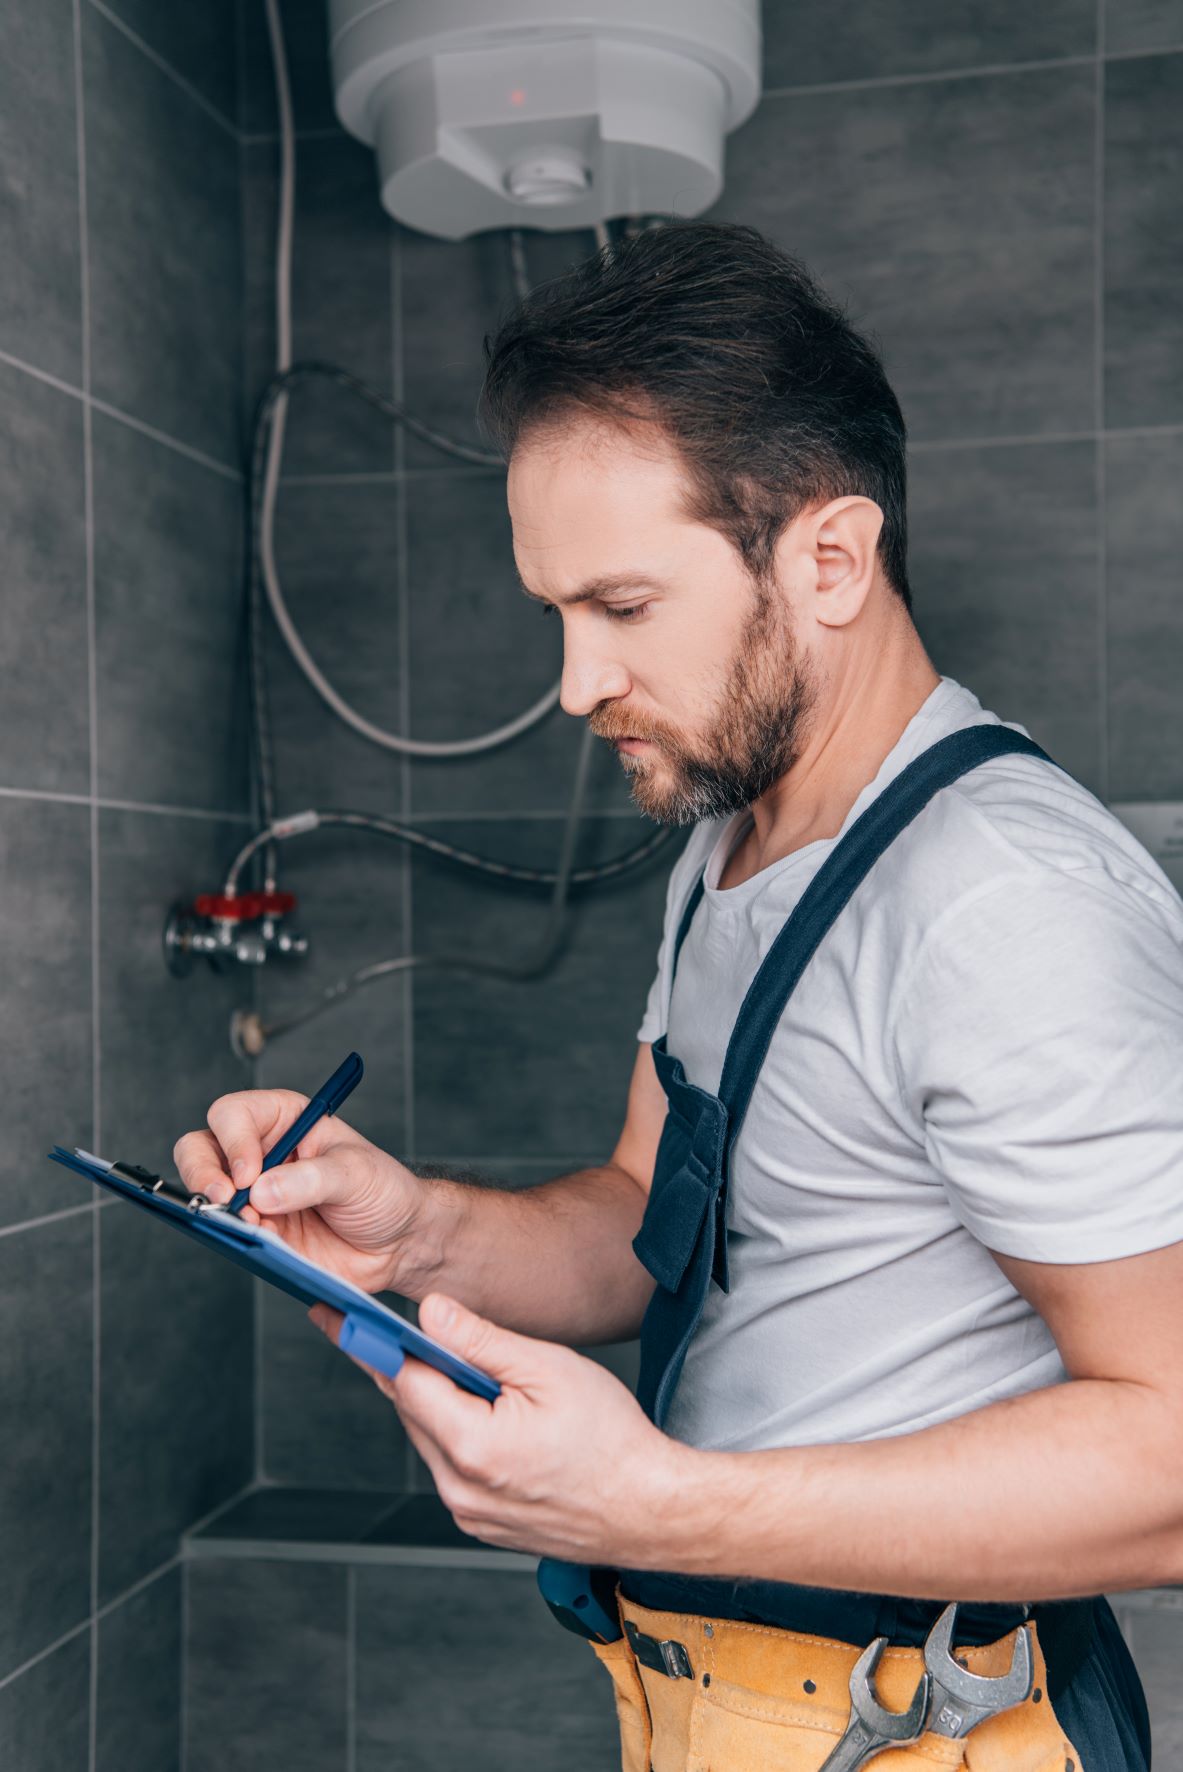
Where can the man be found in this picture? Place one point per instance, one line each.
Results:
(908, 1162)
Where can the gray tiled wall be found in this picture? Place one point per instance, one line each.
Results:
(422, 1669)
(125, 1368)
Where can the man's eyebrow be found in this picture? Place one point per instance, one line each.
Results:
(596, 587)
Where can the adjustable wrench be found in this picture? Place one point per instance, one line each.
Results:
(961, 1700)
(871, 1729)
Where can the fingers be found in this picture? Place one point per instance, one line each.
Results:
(230, 1154)
(201, 1166)
(297, 1185)
(514, 1359)
(246, 1123)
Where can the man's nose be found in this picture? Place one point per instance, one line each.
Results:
(589, 677)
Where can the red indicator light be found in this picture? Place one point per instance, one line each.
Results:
(517, 96)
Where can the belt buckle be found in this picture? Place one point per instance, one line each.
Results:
(668, 1657)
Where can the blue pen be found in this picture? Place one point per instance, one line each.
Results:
(327, 1100)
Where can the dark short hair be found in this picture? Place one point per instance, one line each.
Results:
(773, 400)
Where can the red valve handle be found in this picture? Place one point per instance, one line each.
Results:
(245, 906)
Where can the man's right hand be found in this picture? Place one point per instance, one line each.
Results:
(340, 1200)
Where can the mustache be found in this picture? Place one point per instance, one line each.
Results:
(611, 722)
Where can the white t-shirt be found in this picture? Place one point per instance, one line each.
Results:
(986, 1052)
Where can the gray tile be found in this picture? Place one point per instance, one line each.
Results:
(420, 1520)
(45, 959)
(164, 247)
(917, 206)
(1143, 24)
(306, 46)
(139, 1681)
(539, 1700)
(276, 1513)
(337, 556)
(1144, 545)
(812, 42)
(1005, 574)
(45, 1331)
(453, 292)
(41, 291)
(341, 300)
(176, 1375)
(530, 1068)
(349, 889)
(200, 43)
(267, 1676)
(1155, 1638)
(166, 1044)
(168, 618)
(1143, 241)
(324, 1422)
(482, 654)
(44, 737)
(45, 1715)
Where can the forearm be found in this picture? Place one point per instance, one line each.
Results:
(554, 1261)
(1063, 1492)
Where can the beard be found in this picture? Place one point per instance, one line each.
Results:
(753, 740)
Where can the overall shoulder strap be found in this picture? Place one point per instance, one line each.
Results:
(832, 887)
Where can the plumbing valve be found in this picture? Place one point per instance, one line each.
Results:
(228, 929)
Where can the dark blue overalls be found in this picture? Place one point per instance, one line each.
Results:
(683, 1244)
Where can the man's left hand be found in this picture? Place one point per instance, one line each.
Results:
(564, 1464)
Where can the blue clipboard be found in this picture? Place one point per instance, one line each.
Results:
(371, 1331)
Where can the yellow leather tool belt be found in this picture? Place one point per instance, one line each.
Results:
(698, 1694)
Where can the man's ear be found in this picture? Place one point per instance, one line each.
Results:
(838, 542)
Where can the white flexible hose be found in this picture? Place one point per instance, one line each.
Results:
(390, 741)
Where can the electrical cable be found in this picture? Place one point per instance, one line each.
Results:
(251, 1034)
(267, 463)
(300, 824)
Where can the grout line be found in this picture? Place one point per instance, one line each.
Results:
(258, 1397)
(407, 984)
(44, 1654)
(89, 1622)
(96, 1130)
(398, 362)
(36, 1224)
(215, 1513)
(931, 446)
(351, 1669)
(138, 1587)
(116, 412)
(1103, 769)
(165, 68)
(1134, 55)
(147, 430)
(876, 81)
(104, 804)
(183, 1706)
(42, 375)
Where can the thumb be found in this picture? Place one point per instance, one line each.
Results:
(501, 1353)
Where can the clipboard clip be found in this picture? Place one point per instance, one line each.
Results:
(156, 1184)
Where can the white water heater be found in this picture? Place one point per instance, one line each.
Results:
(544, 113)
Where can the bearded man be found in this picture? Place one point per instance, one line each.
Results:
(896, 1206)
